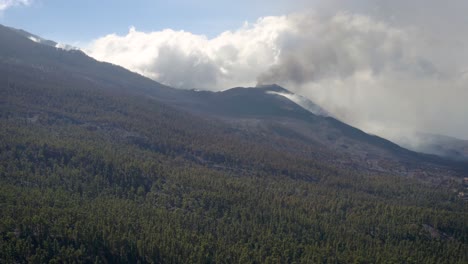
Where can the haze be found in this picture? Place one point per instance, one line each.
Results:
(390, 68)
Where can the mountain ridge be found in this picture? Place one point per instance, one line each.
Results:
(250, 109)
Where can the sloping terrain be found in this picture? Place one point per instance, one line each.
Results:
(254, 110)
(101, 165)
(264, 111)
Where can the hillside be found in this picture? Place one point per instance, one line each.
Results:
(274, 118)
(101, 165)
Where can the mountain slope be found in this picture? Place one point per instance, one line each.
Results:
(101, 165)
(20, 53)
(267, 111)
(17, 50)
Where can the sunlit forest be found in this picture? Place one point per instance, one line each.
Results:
(98, 176)
(96, 168)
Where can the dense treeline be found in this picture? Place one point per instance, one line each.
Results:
(71, 194)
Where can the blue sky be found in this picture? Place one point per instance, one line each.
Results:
(81, 21)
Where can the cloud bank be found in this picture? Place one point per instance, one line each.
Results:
(5, 4)
(185, 60)
(385, 74)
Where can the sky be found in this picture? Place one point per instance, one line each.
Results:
(391, 68)
(82, 21)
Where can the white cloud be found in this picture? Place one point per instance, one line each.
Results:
(186, 60)
(384, 77)
(5, 4)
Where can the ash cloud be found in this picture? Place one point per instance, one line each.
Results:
(388, 67)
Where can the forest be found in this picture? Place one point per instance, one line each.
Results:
(99, 174)
(91, 202)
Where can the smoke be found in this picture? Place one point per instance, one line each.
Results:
(392, 68)
(303, 102)
(389, 68)
(375, 76)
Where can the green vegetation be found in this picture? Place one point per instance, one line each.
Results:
(86, 205)
(136, 181)
(91, 172)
